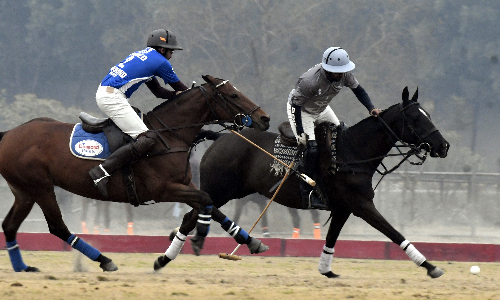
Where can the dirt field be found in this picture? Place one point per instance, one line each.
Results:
(209, 277)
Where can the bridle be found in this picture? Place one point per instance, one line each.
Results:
(240, 119)
(421, 137)
(420, 151)
(415, 150)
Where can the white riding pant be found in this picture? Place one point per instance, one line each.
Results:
(309, 121)
(115, 105)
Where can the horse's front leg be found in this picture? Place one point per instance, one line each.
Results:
(368, 212)
(198, 200)
(240, 235)
(255, 246)
(338, 219)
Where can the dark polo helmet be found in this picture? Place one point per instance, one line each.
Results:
(163, 38)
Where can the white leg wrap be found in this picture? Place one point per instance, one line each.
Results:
(412, 252)
(325, 260)
(175, 247)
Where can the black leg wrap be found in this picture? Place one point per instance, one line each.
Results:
(204, 217)
(238, 233)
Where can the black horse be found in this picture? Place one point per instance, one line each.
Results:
(233, 168)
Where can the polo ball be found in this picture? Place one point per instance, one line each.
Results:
(474, 270)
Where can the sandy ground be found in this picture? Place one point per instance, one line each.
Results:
(209, 277)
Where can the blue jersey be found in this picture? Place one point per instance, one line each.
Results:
(137, 68)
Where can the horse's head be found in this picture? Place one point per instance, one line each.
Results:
(417, 127)
(231, 104)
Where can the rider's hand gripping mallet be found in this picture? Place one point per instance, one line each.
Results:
(236, 257)
(304, 177)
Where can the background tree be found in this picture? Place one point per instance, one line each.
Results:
(61, 50)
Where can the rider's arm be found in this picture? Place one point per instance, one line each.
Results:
(159, 91)
(178, 86)
(363, 97)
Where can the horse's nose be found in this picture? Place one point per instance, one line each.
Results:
(444, 150)
(265, 120)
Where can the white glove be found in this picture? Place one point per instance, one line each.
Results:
(302, 139)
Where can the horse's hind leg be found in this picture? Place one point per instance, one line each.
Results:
(10, 225)
(373, 217)
(47, 202)
(338, 218)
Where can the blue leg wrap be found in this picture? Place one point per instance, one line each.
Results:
(204, 217)
(239, 234)
(15, 256)
(83, 247)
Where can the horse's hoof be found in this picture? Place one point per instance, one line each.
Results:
(173, 233)
(108, 267)
(435, 273)
(256, 246)
(31, 269)
(160, 262)
(330, 274)
(197, 244)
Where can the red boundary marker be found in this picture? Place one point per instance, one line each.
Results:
(277, 247)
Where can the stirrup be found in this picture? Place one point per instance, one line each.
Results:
(106, 174)
(315, 202)
(100, 180)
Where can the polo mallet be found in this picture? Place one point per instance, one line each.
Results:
(236, 257)
(302, 176)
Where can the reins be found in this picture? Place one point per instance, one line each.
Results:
(218, 98)
(226, 104)
(415, 150)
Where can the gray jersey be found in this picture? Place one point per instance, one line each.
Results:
(313, 91)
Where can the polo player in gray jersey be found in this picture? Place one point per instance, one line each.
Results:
(308, 106)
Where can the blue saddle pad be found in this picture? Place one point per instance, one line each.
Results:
(88, 145)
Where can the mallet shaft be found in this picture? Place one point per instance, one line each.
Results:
(267, 206)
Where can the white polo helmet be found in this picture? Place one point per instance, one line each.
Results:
(336, 60)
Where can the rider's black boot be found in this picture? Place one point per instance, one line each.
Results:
(133, 151)
(310, 200)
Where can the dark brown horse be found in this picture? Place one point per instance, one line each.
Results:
(35, 157)
(232, 168)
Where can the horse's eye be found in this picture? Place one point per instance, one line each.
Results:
(234, 96)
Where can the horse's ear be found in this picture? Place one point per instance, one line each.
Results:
(406, 94)
(206, 78)
(415, 96)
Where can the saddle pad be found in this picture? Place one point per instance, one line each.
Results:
(288, 153)
(88, 145)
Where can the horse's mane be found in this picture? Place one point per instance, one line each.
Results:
(178, 98)
(371, 118)
(181, 97)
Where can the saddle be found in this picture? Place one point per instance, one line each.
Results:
(327, 151)
(116, 139)
(323, 134)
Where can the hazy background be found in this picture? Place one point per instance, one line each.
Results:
(54, 53)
